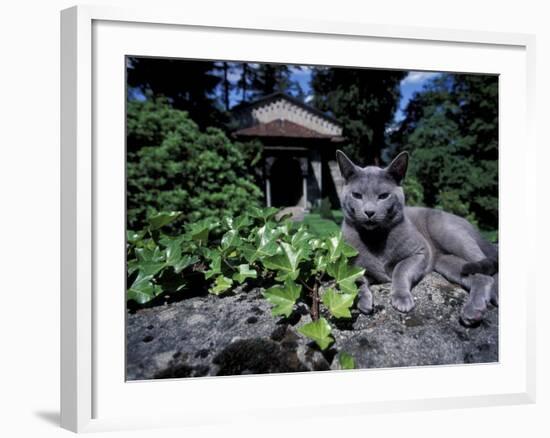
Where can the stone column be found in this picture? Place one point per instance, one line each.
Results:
(304, 167)
(268, 165)
(316, 165)
(268, 191)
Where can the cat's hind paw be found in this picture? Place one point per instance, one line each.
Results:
(403, 303)
(470, 316)
(493, 296)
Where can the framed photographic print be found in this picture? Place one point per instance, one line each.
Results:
(249, 208)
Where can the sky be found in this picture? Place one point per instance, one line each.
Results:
(413, 82)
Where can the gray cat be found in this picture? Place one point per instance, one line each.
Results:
(402, 244)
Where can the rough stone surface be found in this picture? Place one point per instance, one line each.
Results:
(236, 334)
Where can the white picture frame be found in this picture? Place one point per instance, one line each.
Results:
(93, 397)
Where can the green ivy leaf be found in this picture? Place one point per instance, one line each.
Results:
(241, 222)
(286, 263)
(132, 266)
(244, 272)
(221, 285)
(215, 266)
(301, 237)
(320, 262)
(346, 360)
(199, 231)
(284, 228)
(161, 219)
(150, 254)
(337, 246)
(283, 297)
(345, 275)
(149, 261)
(237, 223)
(263, 214)
(317, 244)
(230, 240)
(143, 289)
(338, 304)
(173, 249)
(265, 245)
(133, 237)
(319, 331)
(150, 268)
(184, 262)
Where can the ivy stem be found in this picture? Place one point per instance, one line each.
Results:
(229, 264)
(315, 302)
(310, 290)
(314, 295)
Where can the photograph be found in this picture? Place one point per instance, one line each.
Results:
(285, 218)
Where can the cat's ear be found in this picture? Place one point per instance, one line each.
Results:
(347, 168)
(398, 167)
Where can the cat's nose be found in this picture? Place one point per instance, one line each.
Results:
(369, 213)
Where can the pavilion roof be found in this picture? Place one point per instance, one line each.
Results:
(282, 128)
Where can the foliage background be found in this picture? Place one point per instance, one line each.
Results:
(181, 155)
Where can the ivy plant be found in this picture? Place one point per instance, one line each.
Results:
(289, 262)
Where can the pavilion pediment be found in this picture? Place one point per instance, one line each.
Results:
(283, 114)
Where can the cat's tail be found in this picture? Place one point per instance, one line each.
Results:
(487, 266)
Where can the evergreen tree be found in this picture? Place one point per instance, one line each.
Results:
(363, 101)
(188, 85)
(244, 84)
(451, 129)
(270, 78)
(226, 84)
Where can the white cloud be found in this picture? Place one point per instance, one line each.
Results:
(418, 77)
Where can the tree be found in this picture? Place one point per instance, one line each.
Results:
(173, 165)
(244, 84)
(227, 86)
(451, 129)
(364, 101)
(270, 78)
(188, 85)
(262, 79)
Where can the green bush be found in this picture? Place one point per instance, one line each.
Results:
(414, 193)
(172, 165)
(450, 201)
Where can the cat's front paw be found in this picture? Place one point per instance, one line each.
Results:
(365, 302)
(403, 303)
(494, 297)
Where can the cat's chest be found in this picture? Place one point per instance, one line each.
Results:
(379, 256)
(378, 263)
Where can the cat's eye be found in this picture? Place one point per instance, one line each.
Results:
(356, 195)
(383, 196)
